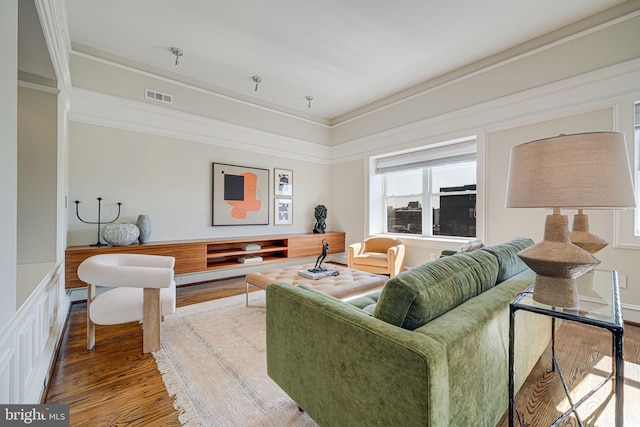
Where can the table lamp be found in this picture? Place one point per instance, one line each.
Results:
(578, 171)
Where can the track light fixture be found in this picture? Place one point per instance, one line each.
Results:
(257, 80)
(309, 98)
(178, 53)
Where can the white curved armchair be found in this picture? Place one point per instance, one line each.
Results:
(143, 290)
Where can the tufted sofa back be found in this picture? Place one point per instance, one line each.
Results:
(423, 293)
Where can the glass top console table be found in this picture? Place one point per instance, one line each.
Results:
(599, 306)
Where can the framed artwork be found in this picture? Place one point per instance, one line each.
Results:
(240, 195)
(283, 214)
(283, 182)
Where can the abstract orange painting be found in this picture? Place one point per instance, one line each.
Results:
(240, 195)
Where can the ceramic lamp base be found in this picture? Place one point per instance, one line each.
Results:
(580, 235)
(556, 291)
(557, 263)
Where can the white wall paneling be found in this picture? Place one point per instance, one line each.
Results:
(30, 340)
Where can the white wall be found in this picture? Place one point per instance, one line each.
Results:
(8, 157)
(37, 171)
(169, 179)
(349, 198)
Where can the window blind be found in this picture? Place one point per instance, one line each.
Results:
(428, 157)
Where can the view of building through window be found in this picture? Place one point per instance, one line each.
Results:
(432, 201)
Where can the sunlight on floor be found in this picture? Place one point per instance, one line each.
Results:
(599, 409)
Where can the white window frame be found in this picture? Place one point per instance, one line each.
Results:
(626, 223)
(377, 189)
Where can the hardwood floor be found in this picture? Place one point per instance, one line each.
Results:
(584, 355)
(117, 385)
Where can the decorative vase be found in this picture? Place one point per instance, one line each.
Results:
(144, 225)
(120, 234)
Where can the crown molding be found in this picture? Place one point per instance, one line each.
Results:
(470, 71)
(38, 87)
(552, 100)
(110, 111)
(571, 95)
(195, 87)
(53, 20)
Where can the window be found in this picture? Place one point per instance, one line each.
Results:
(431, 192)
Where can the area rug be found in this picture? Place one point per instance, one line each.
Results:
(213, 360)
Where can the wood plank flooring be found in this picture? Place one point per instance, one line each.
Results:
(117, 385)
(584, 355)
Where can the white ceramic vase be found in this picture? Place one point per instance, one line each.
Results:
(144, 225)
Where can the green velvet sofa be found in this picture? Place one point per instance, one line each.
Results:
(430, 349)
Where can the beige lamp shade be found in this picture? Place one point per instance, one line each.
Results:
(585, 170)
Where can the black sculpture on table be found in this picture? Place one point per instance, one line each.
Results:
(318, 267)
(321, 215)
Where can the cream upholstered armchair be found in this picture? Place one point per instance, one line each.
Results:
(143, 289)
(380, 255)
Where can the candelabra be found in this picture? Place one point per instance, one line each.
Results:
(99, 222)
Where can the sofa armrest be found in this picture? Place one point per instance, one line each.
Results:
(395, 255)
(347, 368)
(354, 250)
(476, 336)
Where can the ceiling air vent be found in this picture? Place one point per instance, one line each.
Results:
(158, 96)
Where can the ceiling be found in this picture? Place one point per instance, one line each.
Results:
(345, 53)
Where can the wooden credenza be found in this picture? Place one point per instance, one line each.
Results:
(195, 256)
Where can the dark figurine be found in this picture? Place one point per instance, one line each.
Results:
(321, 215)
(318, 267)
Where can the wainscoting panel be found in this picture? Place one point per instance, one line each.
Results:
(27, 348)
(7, 371)
(30, 340)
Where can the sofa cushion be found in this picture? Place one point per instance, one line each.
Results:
(423, 293)
(366, 302)
(371, 258)
(507, 254)
(471, 245)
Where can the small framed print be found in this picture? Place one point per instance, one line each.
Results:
(283, 212)
(283, 182)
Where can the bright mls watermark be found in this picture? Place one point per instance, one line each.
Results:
(34, 415)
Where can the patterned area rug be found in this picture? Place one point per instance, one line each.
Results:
(213, 360)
